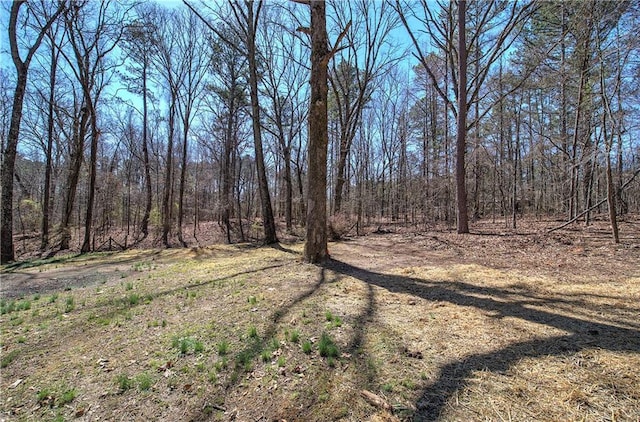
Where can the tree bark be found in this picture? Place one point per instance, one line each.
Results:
(86, 244)
(77, 152)
(144, 224)
(315, 247)
(461, 134)
(168, 177)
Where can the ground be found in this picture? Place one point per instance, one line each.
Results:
(420, 324)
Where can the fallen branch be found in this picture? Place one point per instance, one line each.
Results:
(375, 400)
(594, 206)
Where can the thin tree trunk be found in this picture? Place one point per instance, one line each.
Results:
(183, 175)
(168, 179)
(86, 244)
(268, 220)
(144, 225)
(44, 244)
(77, 153)
(8, 168)
(7, 252)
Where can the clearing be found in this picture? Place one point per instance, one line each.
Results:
(397, 326)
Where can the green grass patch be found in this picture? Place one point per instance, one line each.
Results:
(7, 358)
(144, 381)
(223, 347)
(133, 299)
(253, 332)
(124, 383)
(327, 347)
(66, 397)
(69, 304)
(9, 306)
(187, 345)
(244, 361)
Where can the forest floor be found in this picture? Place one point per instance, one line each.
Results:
(401, 325)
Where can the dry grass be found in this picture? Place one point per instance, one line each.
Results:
(459, 331)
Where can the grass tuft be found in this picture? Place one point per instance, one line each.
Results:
(223, 347)
(327, 347)
(124, 382)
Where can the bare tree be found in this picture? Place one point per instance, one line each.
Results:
(368, 54)
(168, 60)
(139, 44)
(40, 21)
(195, 61)
(53, 70)
(315, 247)
(93, 34)
(246, 19)
(284, 86)
(447, 29)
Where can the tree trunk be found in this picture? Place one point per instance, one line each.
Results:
(315, 248)
(86, 244)
(288, 190)
(461, 142)
(7, 253)
(8, 167)
(183, 176)
(44, 241)
(77, 153)
(268, 221)
(168, 179)
(144, 224)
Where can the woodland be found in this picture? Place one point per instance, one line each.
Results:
(302, 210)
(166, 123)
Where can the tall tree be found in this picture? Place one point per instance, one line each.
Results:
(446, 27)
(40, 21)
(139, 44)
(93, 34)
(195, 62)
(284, 84)
(53, 70)
(246, 19)
(315, 247)
(168, 60)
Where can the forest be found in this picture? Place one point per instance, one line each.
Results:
(305, 210)
(125, 122)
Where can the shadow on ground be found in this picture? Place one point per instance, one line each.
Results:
(580, 334)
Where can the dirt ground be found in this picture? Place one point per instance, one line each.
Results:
(427, 325)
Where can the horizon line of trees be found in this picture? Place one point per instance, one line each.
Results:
(124, 120)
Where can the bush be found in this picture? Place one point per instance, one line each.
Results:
(339, 225)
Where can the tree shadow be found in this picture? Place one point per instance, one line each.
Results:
(581, 334)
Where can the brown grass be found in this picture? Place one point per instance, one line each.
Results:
(439, 326)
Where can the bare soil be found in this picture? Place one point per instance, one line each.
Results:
(428, 325)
